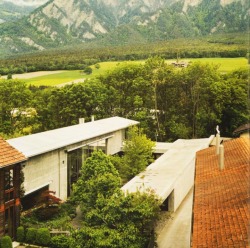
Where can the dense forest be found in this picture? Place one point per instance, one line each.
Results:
(79, 57)
(169, 102)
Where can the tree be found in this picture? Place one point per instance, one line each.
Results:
(198, 105)
(88, 70)
(129, 92)
(111, 218)
(138, 153)
(9, 76)
(124, 221)
(14, 99)
(99, 178)
(235, 109)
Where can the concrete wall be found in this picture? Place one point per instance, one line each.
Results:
(114, 143)
(47, 169)
(183, 184)
(51, 168)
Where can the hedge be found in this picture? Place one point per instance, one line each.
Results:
(6, 242)
(43, 236)
(60, 241)
(20, 236)
(31, 235)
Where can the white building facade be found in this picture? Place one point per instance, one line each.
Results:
(55, 157)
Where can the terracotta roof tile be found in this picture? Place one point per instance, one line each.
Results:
(221, 199)
(9, 155)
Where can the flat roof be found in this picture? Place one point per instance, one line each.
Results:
(162, 147)
(35, 144)
(161, 175)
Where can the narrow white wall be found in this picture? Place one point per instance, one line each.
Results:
(47, 169)
(114, 144)
(183, 184)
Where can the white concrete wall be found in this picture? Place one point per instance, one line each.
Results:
(47, 169)
(114, 143)
(183, 184)
(51, 168)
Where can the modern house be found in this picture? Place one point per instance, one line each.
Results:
(55, 157)
(171, 176)
(11, 162)
(221, 207)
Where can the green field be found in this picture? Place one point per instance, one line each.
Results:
(225, 65)
(55, 79)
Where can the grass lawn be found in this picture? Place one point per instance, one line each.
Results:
(226, 65)
(55, 79)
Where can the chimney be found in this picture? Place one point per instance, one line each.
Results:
(221, 157)
(81, 120)
(217, 140)
(92, 118)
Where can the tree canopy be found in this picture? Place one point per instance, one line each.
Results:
(169, 102)
(111, 218)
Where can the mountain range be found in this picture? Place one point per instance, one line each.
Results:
(116, 22)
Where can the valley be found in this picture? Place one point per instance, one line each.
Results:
(76, 75)
(59, 78)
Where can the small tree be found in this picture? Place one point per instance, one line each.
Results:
(9, 76)
(99, 178)
(138, 153)
(97, 66)
(88, 70)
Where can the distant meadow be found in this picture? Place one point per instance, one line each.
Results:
(73, 76)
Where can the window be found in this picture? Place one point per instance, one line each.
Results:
(8, 185)
(8, 175)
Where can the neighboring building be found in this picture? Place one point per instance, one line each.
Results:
(171, 176)
(243, 131)
(55, 157)
(221, 213)
(11, 162)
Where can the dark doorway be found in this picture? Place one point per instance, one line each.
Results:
(33, 199)
(168, 204)
(74, 166)
(9, 220)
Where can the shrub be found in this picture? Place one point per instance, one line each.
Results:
(31, 235)
(20, 234)
(43, 236)
(47, 213)
(6, 242)
(60, 241)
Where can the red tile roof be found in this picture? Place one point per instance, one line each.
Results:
(221, 213)
(9, 155)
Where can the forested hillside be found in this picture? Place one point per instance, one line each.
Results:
(79, 57)
(169, 102)
(11, 12)
(61, 22)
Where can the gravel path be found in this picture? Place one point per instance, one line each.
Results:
(77, 221)
(33, 74)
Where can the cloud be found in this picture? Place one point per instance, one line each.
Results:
(27, 2)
